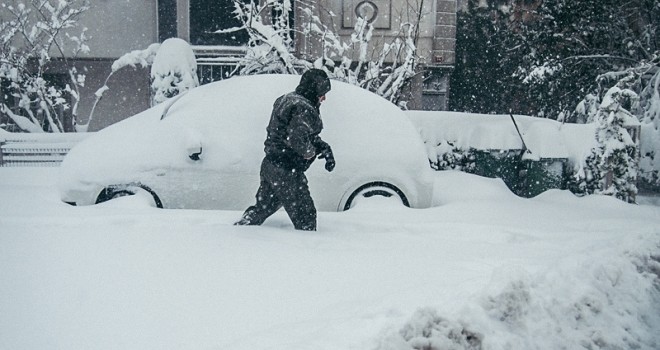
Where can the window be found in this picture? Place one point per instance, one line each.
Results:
(434, 90)
(166, 19)
(208, 16)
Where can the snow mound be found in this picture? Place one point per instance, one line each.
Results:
(455, 186)
(614, 304)
(428, 330)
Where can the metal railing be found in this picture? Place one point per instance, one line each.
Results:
(217, 62)
(23, 149)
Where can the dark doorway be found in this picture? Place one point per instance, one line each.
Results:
(208, 16)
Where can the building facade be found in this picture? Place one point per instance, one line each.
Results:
(118, 27)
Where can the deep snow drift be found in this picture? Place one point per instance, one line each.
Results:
(481, 270)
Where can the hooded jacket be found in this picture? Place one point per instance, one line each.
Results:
(293, 138)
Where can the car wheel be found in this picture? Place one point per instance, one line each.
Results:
(382, 189)
(117, 191)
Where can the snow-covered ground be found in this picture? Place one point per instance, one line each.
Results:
(481, 270)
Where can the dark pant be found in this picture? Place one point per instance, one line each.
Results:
(282, 187)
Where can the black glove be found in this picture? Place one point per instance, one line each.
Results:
(326, 153)
(329, 163)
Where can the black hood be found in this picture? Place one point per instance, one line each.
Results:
(314, 83)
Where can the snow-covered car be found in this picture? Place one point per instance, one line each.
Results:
(203, 149)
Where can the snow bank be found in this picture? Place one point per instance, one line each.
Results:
(472, 188)
(595, 301)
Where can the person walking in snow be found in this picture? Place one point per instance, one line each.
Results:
(291, 145)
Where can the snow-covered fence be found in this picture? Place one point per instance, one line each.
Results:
(30, 149)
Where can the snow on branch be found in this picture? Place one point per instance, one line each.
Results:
(28, 32)
(386, 71)
(143, 58)
(269, 45)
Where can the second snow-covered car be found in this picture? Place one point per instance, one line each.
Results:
(203, 150)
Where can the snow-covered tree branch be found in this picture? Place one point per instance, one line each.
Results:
(143, 58)
(385, 71)
(29, 32)
(269, 45)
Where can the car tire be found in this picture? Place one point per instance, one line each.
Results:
(383, 189)
(117, 191)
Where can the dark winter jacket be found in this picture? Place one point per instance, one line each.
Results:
(293, 132)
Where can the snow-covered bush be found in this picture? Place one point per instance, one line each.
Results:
(583, 180)
(30, 32)
(174, 70)
(450, 157)
(613, 164)
(643, 80)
